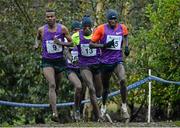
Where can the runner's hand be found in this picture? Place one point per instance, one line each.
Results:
(109, 44)
(56, 40)
(126, 52)
(35, 46)
(75, 62)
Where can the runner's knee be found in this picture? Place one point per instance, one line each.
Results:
(92, 90)
(78, 88)
(52, 85)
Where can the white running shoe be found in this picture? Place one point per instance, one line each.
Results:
(125, 113)
(77, 115)
(103, 110)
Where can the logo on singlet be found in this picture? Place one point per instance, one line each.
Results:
(118, 33)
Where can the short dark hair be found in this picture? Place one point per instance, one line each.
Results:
(50, 10)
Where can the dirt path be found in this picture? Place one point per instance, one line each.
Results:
(106, 124)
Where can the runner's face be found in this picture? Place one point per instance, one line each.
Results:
(112, 22)
(87, 30)
(50, 18)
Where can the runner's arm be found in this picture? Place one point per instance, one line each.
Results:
(67, 36)
(97, 35)
(125, 34)
(38, 38)
(106, 45)
(95, 45)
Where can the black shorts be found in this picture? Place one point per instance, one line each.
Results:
(109, 67)
(75, 70)
(95, 68)
(59, 65)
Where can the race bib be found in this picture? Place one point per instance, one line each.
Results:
(117, 42)
(86, 51)
(52, 47)
(74, 56)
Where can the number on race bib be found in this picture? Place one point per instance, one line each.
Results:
(52, 47)
(74, 56)
(117, 42)
(86, 51)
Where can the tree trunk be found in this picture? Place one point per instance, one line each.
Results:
(99, 9)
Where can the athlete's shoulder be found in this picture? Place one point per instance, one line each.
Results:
(123, 25)
(75, 35)
(40, 31)
(75, 38)
(100, 27)
(62, 26)
(64, 29)
(124, 28)
(41, 28)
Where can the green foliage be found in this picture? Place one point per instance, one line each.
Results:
(157, 47)
(154, 41)
(20, 73)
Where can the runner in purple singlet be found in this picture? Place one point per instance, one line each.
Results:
(53, 63)
(109, 37)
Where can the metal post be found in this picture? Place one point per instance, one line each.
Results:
(149, 99)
